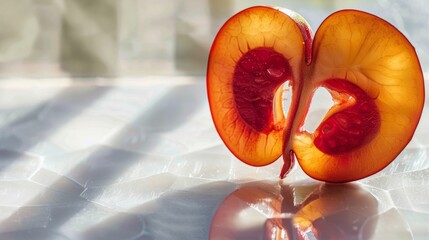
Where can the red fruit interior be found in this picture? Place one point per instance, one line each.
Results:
(257, 75)
(352, 127)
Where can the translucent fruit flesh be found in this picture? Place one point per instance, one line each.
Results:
(255, 52)
(371, 54)
(368, 66)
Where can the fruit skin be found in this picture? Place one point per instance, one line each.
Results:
(351, 45)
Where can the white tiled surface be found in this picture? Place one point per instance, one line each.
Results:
(140, 159)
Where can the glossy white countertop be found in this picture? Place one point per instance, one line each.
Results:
(140, 159)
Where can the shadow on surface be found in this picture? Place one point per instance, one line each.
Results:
(171, 111)
(41, 129)
(176, 214)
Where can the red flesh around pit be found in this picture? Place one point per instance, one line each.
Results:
(257, 75)
(352, 127)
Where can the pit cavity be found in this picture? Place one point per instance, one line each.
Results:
(320, 104)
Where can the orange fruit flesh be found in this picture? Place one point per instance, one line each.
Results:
(252, 43)
(370, 68)
(371, 54)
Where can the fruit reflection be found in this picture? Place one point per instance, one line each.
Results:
(263, 210)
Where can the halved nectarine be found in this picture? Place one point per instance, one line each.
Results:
(369, 67)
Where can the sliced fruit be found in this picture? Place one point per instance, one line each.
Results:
(376, 62)
(371, 70)
(253, 55)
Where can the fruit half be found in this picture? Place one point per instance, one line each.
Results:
(254, 54)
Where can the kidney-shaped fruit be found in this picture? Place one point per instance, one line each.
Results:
(370, 69)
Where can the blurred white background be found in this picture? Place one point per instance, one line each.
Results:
(57, 38)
